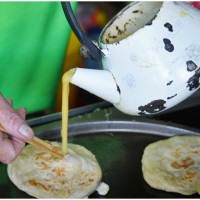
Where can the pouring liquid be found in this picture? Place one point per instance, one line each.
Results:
(65, 108)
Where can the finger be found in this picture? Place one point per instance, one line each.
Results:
(10, 101)
(5, 135)
(13, 122)
(22, 113)
(10, 149)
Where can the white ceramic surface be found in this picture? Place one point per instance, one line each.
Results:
(152, 51)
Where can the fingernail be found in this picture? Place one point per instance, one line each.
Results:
(26, 131)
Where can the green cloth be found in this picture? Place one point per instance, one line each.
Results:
(33, 42)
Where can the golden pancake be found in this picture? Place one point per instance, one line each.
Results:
(42, 175)
(173, 164)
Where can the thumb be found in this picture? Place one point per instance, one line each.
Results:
(12, 122)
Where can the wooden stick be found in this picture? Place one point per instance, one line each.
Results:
(36, 139)
(41, 144)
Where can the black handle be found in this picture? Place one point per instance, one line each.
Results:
(93, 50)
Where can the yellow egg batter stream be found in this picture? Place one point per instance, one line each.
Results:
(65, 101)
(76, 176)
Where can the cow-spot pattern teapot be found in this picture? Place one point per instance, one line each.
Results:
(150, 53)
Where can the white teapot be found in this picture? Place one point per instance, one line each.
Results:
(151, 57)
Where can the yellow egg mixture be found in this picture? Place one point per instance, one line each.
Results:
(65, 101)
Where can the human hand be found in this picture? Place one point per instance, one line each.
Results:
(13, 121)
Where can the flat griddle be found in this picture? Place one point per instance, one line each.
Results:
(118, 141)
(118, 146)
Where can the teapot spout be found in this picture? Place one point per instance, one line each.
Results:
(98, 82)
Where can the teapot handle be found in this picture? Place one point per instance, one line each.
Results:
(94, 51)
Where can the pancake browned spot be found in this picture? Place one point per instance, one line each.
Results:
(173, 164)
(42, 175)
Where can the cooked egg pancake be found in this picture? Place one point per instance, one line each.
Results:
(173, 164)
(42, 175)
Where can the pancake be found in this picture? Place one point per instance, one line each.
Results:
(42, 175)
(173, 165)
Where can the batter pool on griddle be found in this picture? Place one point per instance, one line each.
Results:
(66, 78)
